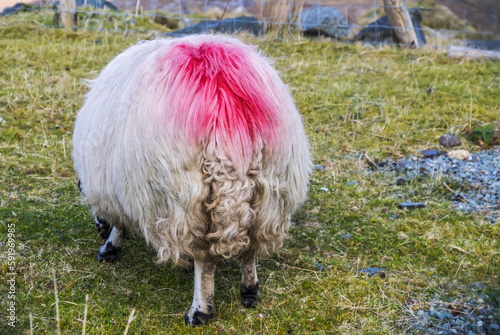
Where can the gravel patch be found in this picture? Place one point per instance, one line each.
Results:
(445, 316)
(480, 173)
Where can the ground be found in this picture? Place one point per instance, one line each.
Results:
(354, 100)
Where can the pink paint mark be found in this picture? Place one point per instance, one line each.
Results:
(219, 96)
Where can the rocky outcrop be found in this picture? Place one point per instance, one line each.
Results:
(18, 7)
(227, 26)
(324, 21)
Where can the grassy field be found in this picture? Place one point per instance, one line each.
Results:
(354, 100)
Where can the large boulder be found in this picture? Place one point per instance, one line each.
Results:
(380, 31)
(80, 3)
(484, 45)
(18, 7)
(97, 4)
(227, 26)
(326, 21)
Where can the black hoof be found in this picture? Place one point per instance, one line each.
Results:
(108, 253)
(250, 296)
(103, 228)
(198, 319)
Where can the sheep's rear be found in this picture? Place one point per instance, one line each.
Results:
(196, 144)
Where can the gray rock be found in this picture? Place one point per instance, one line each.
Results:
(411, 205)
(227, 26)
(484, 44)
(449, 141)
(372, 271)
(442, 316)
(429, 153)
(326, 21)
(319, 168)
(400, 181)
(18, 7)
(91, 3)
(97, 4)
(318, 266)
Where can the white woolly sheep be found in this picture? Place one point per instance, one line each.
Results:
(194, 143)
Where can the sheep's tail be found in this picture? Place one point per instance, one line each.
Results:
(229, 203)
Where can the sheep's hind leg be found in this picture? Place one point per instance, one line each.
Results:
(202, 308)
(103, 227)
(109, 251)
(249, 289)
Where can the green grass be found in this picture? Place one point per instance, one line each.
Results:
(353, 100)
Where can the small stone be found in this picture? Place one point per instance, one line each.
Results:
(319, 168)
(401, 181)
(372, 271)
(429, 153)
(441, 315)
(411, 205)
(473, 203)
(449, 141)
(318, 266)
(459, 154)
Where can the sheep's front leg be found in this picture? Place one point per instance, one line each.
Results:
(249, 283)
(109, 251)
(202, 308)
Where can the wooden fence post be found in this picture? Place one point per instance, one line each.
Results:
(401, 22)
(68, 13)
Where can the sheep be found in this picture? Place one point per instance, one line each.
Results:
(196, 144)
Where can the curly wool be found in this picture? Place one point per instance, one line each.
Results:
(194, 143)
